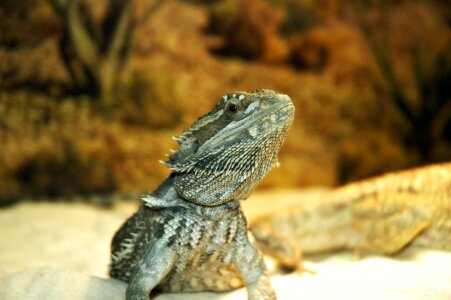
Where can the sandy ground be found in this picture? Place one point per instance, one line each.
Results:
(61, 251)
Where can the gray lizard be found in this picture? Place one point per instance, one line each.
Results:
(190, 234)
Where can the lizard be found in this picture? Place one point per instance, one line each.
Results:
(380, 215)
(190, 234)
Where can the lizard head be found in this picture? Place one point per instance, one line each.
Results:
(227, 152)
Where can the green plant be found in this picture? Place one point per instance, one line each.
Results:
(417, 83)
(95, 50)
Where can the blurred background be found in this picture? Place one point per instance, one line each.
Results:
(91, 91)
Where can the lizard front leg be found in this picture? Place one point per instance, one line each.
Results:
(153, 266)
(249, 263)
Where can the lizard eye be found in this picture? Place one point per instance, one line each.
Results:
(233, 108)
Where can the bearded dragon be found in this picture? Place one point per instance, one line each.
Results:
(381, 215)
(190, 234)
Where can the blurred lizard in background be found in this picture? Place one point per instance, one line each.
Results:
(381, 215)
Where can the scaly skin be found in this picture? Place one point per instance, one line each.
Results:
(190, 234)
(380, 215)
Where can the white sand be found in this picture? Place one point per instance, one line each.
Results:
(69, 244)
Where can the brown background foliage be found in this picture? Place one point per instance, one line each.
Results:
(351, 68)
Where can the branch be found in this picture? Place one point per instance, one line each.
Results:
(120, 31)
(91, 25)
(59, 5)
(442, 78)
(84, 45)
(384, 62)
(442, 118)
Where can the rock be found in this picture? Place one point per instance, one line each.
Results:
(53, 283)
(73, 236)
(60, 284)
